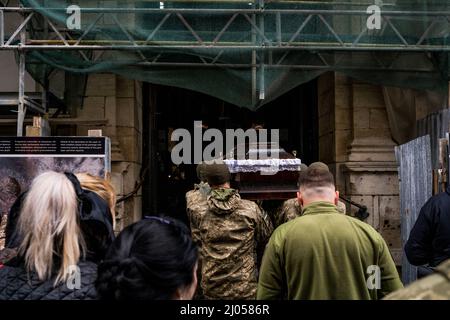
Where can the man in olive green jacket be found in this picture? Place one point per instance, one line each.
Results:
(291, 208)
(323, 254)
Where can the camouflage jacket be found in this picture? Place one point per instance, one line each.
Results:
(234, 233)
(291, 209)
(196, 207)
(342, 208)
(433, 287)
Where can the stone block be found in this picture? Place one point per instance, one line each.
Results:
(132, 211)
(390, 207)
(370, 156)
(126, 174)
(32, 131)
(101, 84)
(378, 119)
(126, 113)
(343, 119)
(130, 144)
(371, 204)
(339, 177)
(117, 182)
(137, 208)
(125, 88)
(390, 222)
(120, 212)
(326, 124)
(374, 134)
(367, 96)
(110, 131)
(342, 97)
(372, 183)
(82, 130)
(110, 110)
(392, 234)
(343, 138)
(361, 118)
(93, 108)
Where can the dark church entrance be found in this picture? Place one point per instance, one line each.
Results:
(168, 108)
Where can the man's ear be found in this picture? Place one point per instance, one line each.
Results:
(336, 199)
(299, 198)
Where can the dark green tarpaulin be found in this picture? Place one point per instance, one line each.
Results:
(231, 81)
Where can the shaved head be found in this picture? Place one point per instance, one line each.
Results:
(317, 184)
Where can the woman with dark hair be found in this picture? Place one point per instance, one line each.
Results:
(153, 259)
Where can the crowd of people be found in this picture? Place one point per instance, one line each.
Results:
(60, 244)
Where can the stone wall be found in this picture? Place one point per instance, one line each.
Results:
(355, 140)
(118, 102)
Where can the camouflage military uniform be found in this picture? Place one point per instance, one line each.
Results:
(234, 233)
(341, 207)
(196, 207)
(291, 209)
(433, 287)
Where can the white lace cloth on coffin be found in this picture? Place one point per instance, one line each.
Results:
(263, 165)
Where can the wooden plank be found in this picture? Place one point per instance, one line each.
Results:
(415, 177)
(436, 125)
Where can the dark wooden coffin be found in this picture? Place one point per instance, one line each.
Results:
(255, 182)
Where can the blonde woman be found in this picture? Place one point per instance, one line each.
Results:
(101, 187)
(88, 182)
(60, 227)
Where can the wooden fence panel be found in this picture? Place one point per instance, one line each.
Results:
(415, 177)
(436, 125)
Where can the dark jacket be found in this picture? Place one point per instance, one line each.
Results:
(17, 284)
(6, 255)
(429, 240)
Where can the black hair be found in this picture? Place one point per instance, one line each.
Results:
(149, 260)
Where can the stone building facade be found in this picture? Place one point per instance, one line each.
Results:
(114, 104)
(355, 140)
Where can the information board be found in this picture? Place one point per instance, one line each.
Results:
(23, 158)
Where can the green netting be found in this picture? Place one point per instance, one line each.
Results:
(259, 54)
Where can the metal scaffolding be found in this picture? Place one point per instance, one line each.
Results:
(328, 54)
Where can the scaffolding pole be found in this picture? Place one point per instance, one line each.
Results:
(22, 109)
(261, 47)
(68, 40)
